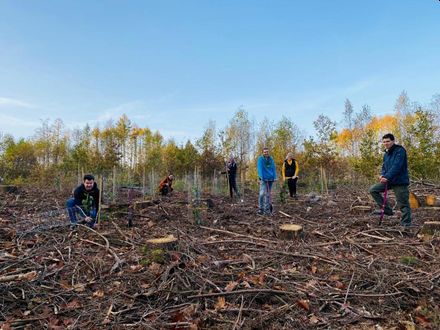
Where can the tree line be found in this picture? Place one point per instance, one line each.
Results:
(351, 153)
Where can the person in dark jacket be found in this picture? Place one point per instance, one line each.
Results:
(290, 171)
(85, 202)
(165, 186)
(231, 170)
(394, 176)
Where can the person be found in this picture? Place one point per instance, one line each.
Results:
(266, 176)
(231, 170)
(394, 176)
(290, 171)
(165, 186)
(85, 202)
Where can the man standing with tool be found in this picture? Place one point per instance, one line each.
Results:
(267, 174)
(290, 171)
(394, 176)
(85, 202)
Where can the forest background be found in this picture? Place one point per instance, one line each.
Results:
(123, 153)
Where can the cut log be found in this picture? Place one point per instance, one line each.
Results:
(432, 200)
(290, 231)
(166, 243)
(413, 201)
(142, 205)
(430, 227)
(360, 209)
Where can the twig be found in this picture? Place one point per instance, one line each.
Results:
(236, 234)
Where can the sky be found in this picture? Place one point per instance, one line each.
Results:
(174, 65)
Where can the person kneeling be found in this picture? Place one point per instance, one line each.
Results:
(85, 202)
(165, 186)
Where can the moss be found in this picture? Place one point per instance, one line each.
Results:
(408, 260)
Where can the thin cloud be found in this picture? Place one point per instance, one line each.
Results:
(13, 122)
(8, 102)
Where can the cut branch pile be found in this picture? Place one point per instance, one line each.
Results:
(234, 272)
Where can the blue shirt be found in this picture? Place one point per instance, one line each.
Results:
(266, 168)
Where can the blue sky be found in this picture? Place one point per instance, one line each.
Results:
(175, 65)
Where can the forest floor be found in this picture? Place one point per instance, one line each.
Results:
(231, 270)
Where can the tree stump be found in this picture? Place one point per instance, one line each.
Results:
(413, 201)
(140, 205)
(290, 231)
(165, 243)
(430, 227)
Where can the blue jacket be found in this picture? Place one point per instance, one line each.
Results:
(395, 165)
(266, 169)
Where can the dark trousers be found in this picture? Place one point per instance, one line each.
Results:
(165, 190)
(74, 209)
(291, 183)
(402, 198)
(233, 186)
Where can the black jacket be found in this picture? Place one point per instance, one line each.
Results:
(88, 200)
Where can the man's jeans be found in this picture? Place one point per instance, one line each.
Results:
(73, 208)
(264, 199)
(402, 197)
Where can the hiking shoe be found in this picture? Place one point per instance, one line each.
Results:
(260, 212)
(379, 212)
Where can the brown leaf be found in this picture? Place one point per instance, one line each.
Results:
(334, 277)
(136, 268)
(74, 304)
(79, 287)
(314, 269)
(221, 302)
(422, 320)
(231, 286)
(304, 304)
(5, 326)
(313, 319)
(98, 294)
(339, 285)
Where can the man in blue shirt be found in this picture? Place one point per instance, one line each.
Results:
(394, 176)
(267, 174)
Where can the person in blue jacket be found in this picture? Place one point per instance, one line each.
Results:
(394, 176)
(267, 174)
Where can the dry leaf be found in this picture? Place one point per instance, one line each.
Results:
(73, 304)
(221, 302)
(408, 325)
(5, 326)
(314, 269)
(313, 319)
(231, 286)
(304, 304)
(136, 268)
(334, 277)
(79, 287)
(422, 320)
(98, 294)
